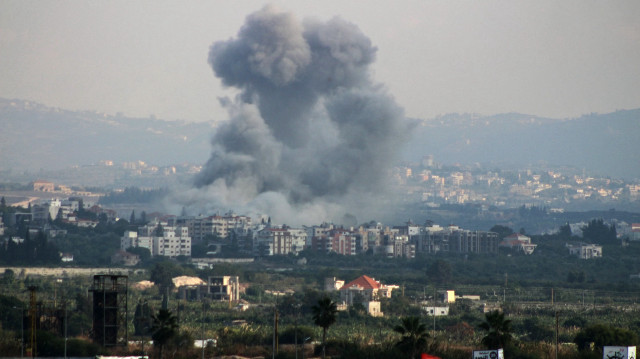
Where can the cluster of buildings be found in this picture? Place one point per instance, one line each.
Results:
(172, 238)
(436, 184)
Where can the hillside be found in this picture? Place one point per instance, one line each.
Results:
(35, 136)
(605, 144)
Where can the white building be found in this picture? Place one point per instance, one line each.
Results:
(279, 241)
(160, 239)
(585, 251)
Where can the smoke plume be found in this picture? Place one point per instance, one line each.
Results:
(310, 135)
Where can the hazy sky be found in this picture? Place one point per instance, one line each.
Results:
(547, 58)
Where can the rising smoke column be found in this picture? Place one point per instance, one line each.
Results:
(309, 123)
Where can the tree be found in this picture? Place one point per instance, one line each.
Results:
(498, 330)
(142, 320)
(414, 336)
(163, 328)
(132, 218)
(602, 335)
(324, 315)
(565, 231)
(440, 271)
(596, 231)
(162, 274)
(502, 231)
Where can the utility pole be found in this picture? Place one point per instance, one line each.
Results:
(297, 305)
(202, 329)
(434, 310)
(65, 330)
(556, 334)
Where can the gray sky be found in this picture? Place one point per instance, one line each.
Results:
(548, 58)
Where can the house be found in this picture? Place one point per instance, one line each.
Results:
(367, 291)
(331, 284)
(125, 258)
(435, 311)
(224, 288)
(518, 242)
(43, 186)
(66, 257)
(585, 251)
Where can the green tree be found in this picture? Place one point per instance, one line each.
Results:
(498, 330)
(414, 336)
(602, 335)
(162, 274)
(502, 231)
(440, 271)
(163, 328)
(596, 231)
(564, 232)
(324, 315)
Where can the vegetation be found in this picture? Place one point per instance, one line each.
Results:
(414, 336)
(164, 327)
(498, 330)
(324, 316)
(134, 195)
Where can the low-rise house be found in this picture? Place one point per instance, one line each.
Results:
(125, 258)
(66, 257)
(518, 242)
(224, 288)
(435, 311)
(367, 291)
(585, 251)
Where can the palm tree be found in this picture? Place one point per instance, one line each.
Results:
(414, 335)
(163, 328)
(324, 315)
(498, 330)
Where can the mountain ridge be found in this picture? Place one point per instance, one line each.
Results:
(35, 136)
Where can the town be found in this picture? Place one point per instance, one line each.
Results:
(386, 272)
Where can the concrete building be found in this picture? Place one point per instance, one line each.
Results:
(279, 241)
(453, 239)
(160, 239)
(224, 288)
(518, 242)
(585, 251)
(216, 226)
(366, 291)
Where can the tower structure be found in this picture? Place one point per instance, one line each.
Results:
(110, 309)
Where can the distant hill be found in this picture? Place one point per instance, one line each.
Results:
(605, 144)
(34, 136)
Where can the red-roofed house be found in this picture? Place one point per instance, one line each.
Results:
(367, 291)
(519, 242)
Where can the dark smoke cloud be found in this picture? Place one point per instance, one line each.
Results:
(309, 127)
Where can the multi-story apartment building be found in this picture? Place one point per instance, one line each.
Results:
(160, 239)
(279, 241)
(337, 240)
(218, 226)
(453, 239)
